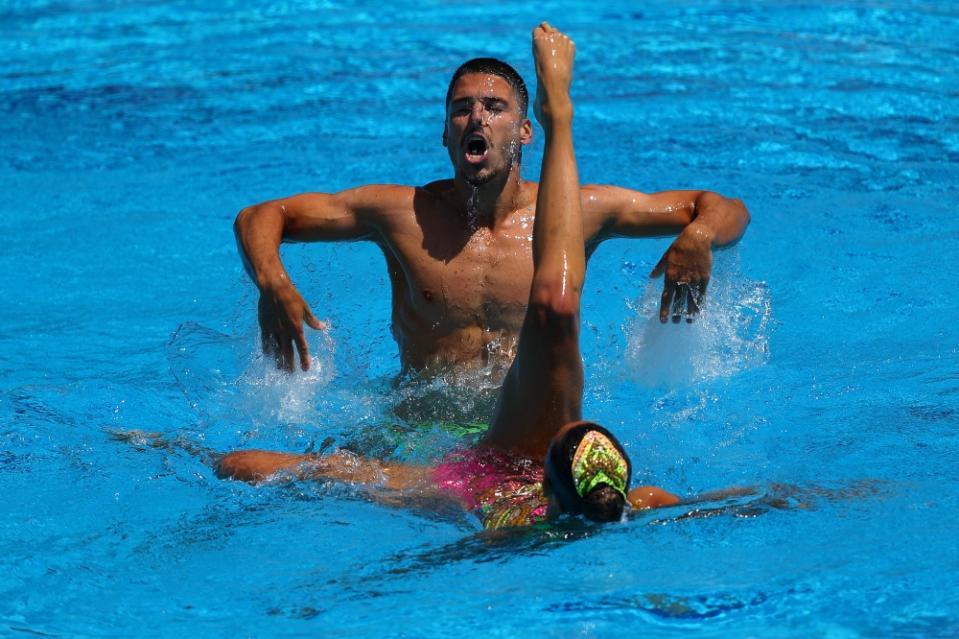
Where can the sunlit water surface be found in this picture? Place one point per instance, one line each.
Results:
(825, 369)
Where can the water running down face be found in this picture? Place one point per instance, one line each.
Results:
(484, 128)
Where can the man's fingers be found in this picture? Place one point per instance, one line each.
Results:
(692, 303)
(697, 293)
(313, 323)
(304, 351)
(666, 300)
(267, 343)
(660, 267)
(679, 301)
(285, 361)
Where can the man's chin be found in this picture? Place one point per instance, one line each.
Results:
(480, 177)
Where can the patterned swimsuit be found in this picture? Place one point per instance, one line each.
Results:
(502, 489)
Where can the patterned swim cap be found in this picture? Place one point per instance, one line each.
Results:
(598, 461)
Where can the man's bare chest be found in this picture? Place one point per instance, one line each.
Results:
(481, 279)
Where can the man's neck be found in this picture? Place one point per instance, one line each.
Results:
(490, 203)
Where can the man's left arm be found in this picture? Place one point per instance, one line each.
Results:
(703, 220)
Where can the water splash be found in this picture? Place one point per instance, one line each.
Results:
(472, 208)
(241, 399)
(287, 398)
(227, 385)
(731, 334)
(514, 147)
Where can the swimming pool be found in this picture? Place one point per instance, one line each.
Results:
(827, 361)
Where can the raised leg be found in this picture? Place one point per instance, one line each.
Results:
(543, 389)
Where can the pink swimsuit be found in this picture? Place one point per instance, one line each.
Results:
(503, 489)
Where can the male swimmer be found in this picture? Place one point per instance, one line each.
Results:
(538, 459)
(458, 250)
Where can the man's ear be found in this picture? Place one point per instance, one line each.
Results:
(445, 134)
(526, 132)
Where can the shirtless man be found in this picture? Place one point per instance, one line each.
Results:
(458, 251)
(585, 470)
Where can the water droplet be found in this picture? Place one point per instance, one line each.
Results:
(472, 212)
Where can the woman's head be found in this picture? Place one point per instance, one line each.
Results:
(587, 471)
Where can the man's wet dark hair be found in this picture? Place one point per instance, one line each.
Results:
(603, 503)
(492, 66)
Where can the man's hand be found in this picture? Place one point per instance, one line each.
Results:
(687, 265)
(282, 312)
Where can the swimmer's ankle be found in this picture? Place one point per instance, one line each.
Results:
(553, 112)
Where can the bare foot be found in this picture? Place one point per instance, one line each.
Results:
(553, 54)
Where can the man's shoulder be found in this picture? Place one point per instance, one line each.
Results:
(382, 190)
(438, 188)
(378, 201)
(395, 207)
(400, 193)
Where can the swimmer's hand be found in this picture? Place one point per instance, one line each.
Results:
(719, 221)
(687, 265)
(282, 312)
(646, 497)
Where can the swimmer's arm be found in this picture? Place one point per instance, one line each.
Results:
(260, 229)
(309, 217)
(612, 211)
(719, 495)
(646, 497)
(703, 220)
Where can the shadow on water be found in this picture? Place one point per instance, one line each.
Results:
(781, 497)
(666, 607)
(488, 546)
(506, 545)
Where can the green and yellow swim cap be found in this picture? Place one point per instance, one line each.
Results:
(598, 461)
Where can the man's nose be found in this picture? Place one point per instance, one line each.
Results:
(478, 113)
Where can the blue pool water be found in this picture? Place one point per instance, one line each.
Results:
(825, 370)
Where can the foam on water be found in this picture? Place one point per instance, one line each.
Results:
(230, 386)
(730, 335)
(241, 398)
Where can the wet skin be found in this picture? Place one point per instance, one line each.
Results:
(458, 251)
(543, 389)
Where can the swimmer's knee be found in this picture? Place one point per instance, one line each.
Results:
(554, 307)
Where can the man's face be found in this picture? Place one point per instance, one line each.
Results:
(484, 129)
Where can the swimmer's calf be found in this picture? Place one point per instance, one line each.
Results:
(256, 466)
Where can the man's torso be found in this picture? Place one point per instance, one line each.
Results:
(460, 289)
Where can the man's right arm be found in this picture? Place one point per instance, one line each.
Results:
(310, 217)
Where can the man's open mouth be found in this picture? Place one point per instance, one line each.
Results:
(476, 149)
